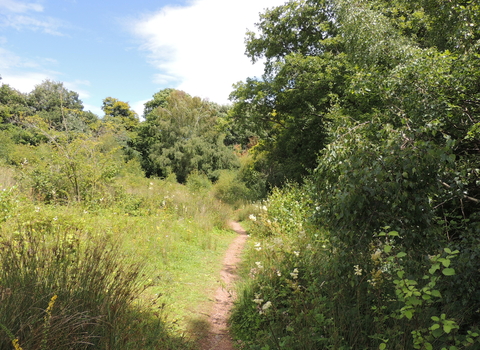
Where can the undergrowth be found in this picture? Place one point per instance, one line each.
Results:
(301, 291)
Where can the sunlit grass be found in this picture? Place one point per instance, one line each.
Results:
(178, 237)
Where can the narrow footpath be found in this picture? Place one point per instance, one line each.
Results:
(218, 337)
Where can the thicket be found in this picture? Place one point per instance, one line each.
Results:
(378, 246)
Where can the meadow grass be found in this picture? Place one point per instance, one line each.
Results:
(162, 242)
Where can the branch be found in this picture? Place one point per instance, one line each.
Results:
(464, 195)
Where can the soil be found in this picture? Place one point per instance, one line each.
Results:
(218, 337)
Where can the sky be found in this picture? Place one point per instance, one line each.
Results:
(128, 50)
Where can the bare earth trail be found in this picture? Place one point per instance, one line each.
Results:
(218, 337)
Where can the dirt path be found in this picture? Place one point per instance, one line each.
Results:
(218, 337)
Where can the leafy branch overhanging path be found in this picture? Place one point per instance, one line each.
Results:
(219, 337)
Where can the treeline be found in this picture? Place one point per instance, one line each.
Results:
(68, 154)
(372, 108)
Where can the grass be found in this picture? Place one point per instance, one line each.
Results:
(163, 241)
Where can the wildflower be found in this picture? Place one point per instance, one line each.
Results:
(252, 217)
(257, 299)
(279, 273)
(259, 264)
(258, 246)
(297, 253)
(55, 218)
(37, 209)
(15, 344)
(264, 208)
(50, 305)
(358, 270)
(267, 305)
(294, 274)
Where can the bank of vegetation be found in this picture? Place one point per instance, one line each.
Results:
(370, 111)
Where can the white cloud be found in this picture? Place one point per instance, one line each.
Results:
(138, 107)
(76, 86)
(20, 6)
(15, 14)
(201, 46)
(94, 109)
(24, 82)
(48, 25)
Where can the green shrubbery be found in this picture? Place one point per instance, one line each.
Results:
(302, 291)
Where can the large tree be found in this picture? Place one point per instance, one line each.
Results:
(304, 76)
(181, 135)
(59, 107)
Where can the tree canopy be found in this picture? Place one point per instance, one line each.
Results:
(180, 135)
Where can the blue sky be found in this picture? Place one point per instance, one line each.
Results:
(128, 49)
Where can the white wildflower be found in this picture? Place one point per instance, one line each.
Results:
(257, 299)
(252, 217)
(294, 274)
(259, 264)
(279, 273)
(358, 270)
(258, 246)
(297, 253)
(267, 305)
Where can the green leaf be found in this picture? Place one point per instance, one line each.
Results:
(435, 326)
(445, 262)
(401, 255)
(400, 274)
(447, 250)
(434, 268)
(382, 346)
(387, 248)
(408, 314)
(448, 272)
(447, 328)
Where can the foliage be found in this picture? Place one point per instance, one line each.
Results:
(12, 103)
(89, 286)
(398, 149)
(287, 109)
(181, 137)
(61, 108)
(119, 113)
(79, 170)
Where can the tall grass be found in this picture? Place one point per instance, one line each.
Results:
(92, 285)
(131, 271)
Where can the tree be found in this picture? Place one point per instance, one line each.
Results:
(120, 113)
(181, 137)
(159, 100)
(304, 76)
(60, 107)
(12, 104)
